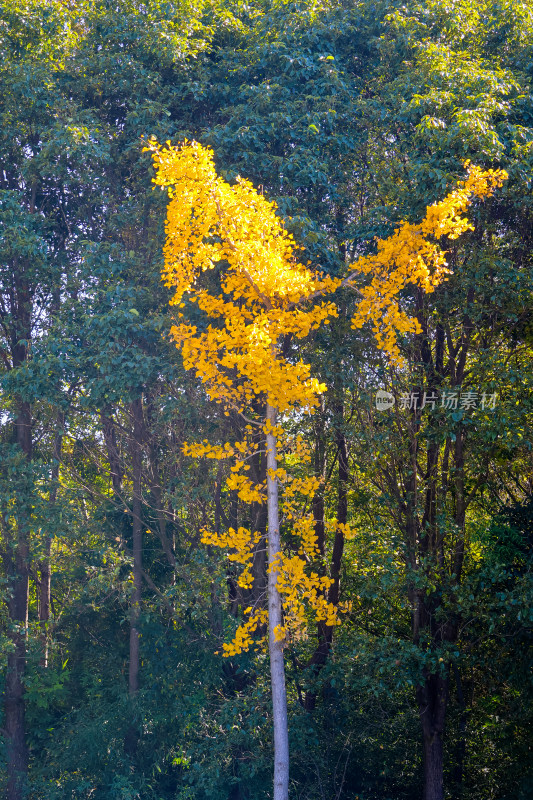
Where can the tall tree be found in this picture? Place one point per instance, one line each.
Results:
(264, 301)
(32, 244)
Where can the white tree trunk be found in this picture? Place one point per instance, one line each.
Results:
(277, 667)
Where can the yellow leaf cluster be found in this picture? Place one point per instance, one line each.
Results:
(247, 490)
(206, 450)
(409, 257)
(348, 531)
(294, 490)
(263, 285)
(299, 589)
(304, 529)
(265, 289)
(239, 545)
(275, 430)
(303, 592)
(297, 449)
(244, 635)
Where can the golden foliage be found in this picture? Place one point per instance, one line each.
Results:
(408, 256)
(266, 295)
(208, 222)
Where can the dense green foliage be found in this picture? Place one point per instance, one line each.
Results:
(352, 116)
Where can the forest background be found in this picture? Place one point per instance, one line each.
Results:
(352, 117)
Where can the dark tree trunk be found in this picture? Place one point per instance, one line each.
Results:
(136, 408)
(113, 455)
(132, 734)
(433, 768)
(17, 562)
(342, 510)
(320, 654)
(325, 632)
(432, 699)
(45, 565)
(460, 750)
(16, 750)
(18, 574)
(17, 753)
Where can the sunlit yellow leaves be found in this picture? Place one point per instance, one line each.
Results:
(210, 221)
(265, 298)
(304, 529)
(239, 543)
(206, 450)
(244, 635)
(297, 449)
(245, 488)
(409, 257)
(301, 590)
(348, 531)
(275, 430)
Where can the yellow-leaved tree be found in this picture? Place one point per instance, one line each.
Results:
(265, 296)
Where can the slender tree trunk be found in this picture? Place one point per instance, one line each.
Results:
(113, 455)
(342, 509)
(275, 647)
(154, 480)
(44, 598)
(18, 572)
(17, 753)
(131, 738)
(17, 563)
(325, 632)
(320, 653)
(45, 565)
(136, 408)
